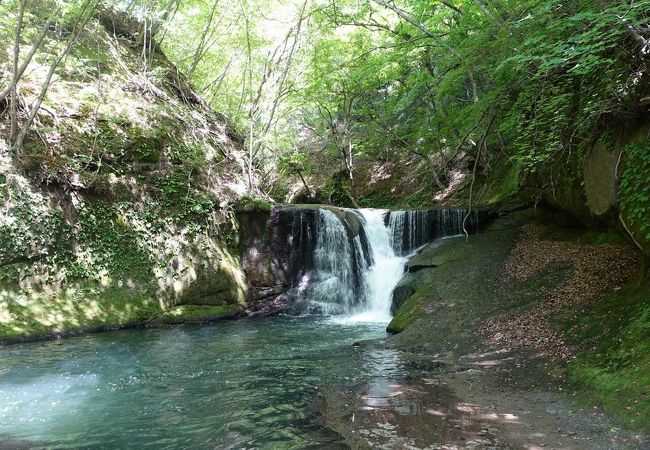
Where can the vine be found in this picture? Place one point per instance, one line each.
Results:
(635, 189)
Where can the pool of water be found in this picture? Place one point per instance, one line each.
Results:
(231, 384)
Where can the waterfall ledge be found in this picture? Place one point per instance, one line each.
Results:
(336, 261)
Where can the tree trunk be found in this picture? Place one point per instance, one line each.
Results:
(83, 18)
(21, 70)
(199, 52)
(489, 13)
(13, 111)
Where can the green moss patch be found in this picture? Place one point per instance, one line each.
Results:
(247, 204)
(411, 309)
(196, 313)
(635, 193)
(615, 365)
(37, 314)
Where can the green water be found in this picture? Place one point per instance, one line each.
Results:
(233, 384)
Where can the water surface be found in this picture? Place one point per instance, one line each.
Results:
(241, 384)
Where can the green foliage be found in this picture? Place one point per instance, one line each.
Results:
(31, 233)
(635, 189)
(248, 203)
(117, 248)
(86, 308)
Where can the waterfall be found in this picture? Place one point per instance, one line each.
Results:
(346, 263)
(410, 230)
(332, 281)
(382, 276)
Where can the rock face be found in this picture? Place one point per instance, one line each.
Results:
(419, 271)
(277, 249)
(600, 177)
(115, 242)
(214, 282)
(452, 273)
(265, 275)
(592, 188)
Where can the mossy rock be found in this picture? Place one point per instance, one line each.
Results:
(411, 310)
(44, 314)
(250, 204)
(144, 149)
(216, 282)
(615, 364)
(195, 314)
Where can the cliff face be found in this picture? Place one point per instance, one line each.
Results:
(607, 183)
(118, 208)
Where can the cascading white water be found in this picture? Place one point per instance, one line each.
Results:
(412, 229)
(380, 278)
(396, 221)
(348, 268)
(332, 285)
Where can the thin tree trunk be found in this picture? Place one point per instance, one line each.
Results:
(82, 20)
(13, 112)
(167, 16)
(481, 145)
(144, 45)
(452, 6)
(215, 85)
(304, 182)
(283, 79)
(405, 16)
(404, 144)
(251, 111)
(198, 53)
(21, 70)
(489, 13)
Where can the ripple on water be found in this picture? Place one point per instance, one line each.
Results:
(230, 384)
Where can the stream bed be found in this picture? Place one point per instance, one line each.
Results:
(242, 384)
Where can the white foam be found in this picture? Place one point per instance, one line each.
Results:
(382, 276)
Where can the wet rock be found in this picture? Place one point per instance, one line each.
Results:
(277, 246)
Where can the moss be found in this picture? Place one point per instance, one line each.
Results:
(91, 58)
(145, 150)
(635, 192)
(508, 184)
(29, 314)
(608, 236)
(248, 204)
(118, 186)
(337, 193)
(114, 244)
(522, 294)
(382, 197)
(196, 313)
(615, 364)
(411, 309)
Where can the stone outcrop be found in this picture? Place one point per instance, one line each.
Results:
(589, 188)
(600, 175)
(277, 246)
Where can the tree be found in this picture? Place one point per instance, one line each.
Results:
(81, 17)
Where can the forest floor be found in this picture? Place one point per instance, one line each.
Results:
(495, 354)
